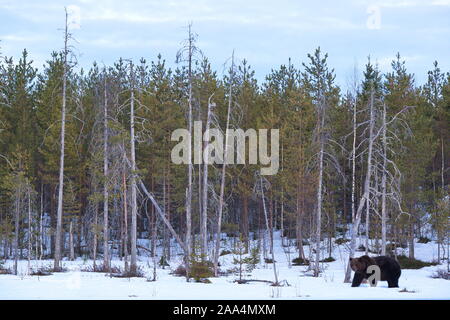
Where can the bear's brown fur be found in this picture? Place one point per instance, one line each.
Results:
(361, 263)
(389, 268)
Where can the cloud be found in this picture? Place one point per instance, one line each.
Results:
(250, 13)
(21, 38)
(132, 17)
(122, 42)
(384, 63)
(33, 11)
(74, 17)
(264, 32)
(405, 3)
(445, 3)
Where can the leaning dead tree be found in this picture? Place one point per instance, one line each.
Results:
(158, 208)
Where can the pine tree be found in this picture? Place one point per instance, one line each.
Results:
(319, 83)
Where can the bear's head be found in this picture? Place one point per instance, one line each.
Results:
(361, 263)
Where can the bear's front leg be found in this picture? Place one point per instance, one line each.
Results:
(357, 279)
(393, 283)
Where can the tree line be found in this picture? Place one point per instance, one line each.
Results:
(87, 171)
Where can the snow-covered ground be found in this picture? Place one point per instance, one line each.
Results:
(75, 284)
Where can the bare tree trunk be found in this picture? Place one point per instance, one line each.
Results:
(71, 249)
(348, 270)
(367, 227)
(57, 262)
(53, 217)
(168, 211)
(439, 247)
(443, 192)
(319, 198)
(282, 218)
(383, 188)
(275, 213)
(121, 243)
(16, 231)
(133, 261)
(154, 225)
(365, 197)
(204, 219)
(269, 230)
(300, 202)
(106, 265)
(442, 164)
(189, 188)
(222, 180)
(29, 231)
(41, 234)
(376, 205)
(271, 214)
(411, 238)
(282, 206)
(448, 246)
(162, 216)
(299, 229)
(153, 233)
(94, 249)
(125, 219)
(166, 237)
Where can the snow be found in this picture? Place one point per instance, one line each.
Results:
(75, 284)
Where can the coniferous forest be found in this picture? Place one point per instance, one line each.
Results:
(86, 170)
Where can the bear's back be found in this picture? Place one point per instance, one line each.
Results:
(385, 261)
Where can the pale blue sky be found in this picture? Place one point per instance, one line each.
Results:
(266, 33)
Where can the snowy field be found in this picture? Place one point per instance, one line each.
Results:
(75, 284)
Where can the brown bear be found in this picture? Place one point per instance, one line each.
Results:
(389, 268)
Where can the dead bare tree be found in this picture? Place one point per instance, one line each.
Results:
(58, 238)
(204, 217)
(95, 240)
(319, 189)
(106, 265)
(270, 231)
(383, 187)
(391, 175)
(353, 154)
(16, 227)
(365, 197)
(41, 223)
(222, 179)
(133, 258)
(364, 201)
(189, 48)
(125, 218)
(30, 231)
